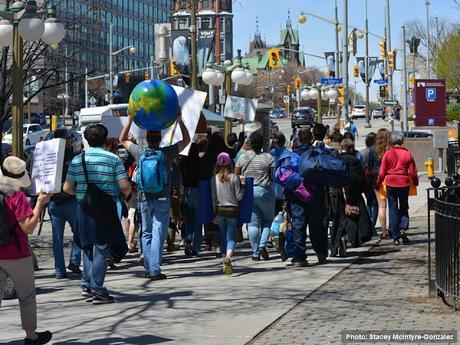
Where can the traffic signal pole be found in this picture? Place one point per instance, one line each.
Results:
(388, 46)
(193, 29)
(366, 61)
(404, 122)
(345, 60)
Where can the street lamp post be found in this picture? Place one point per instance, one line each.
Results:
(345, 60)
(319, 93)
(132, 50)
(217, 75)
(368, 115)
(21, 21)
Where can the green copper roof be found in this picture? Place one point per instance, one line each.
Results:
(289, 32)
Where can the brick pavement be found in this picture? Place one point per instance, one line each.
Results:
(385, 289)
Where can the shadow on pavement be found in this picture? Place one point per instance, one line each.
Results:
(139, 340)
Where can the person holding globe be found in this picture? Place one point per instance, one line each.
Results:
(151, 107)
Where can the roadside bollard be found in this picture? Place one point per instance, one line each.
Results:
(430, 167)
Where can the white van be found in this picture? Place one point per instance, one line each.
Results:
(89, 116)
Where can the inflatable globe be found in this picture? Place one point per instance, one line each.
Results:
(153, 105)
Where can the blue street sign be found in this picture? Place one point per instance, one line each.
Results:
(331, 81)
(430, 94)
(381, 81)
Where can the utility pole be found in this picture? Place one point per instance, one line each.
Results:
(337, 48)
(345, 60)
(366, 61)
(86, 87)
(428, 71)
(193, 31)
(66, 76)
(404, 122)
(111, 63)
(388, 44)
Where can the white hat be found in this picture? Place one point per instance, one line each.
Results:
(13, 172)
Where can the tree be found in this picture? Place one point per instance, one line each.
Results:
(448, 61)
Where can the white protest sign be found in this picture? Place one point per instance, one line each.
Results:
(191, 103)
(241, 108)
(48, 165)
(115, 124)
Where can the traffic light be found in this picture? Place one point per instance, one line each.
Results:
(274, 58)
(383, 91)
(352, 44)
(288, 89)
(383, 49)
(392, 59)
(173, 70)
(146, 75)
(127, 77)
(355, 71)
(341, 98)
(330, 74)
(298, 83)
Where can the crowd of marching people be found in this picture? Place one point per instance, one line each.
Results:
(223, 187)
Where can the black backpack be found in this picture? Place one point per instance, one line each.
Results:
(5, 232)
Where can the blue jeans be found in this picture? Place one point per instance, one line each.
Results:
(263, 213)
(227, 232)
(372, 206)
(155, 223)
(193, 227)
(313, 214)
(398, 207)
(95, 268)
(59, 215)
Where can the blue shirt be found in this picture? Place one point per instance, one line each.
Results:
(105, 169)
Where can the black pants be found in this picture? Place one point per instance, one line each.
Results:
(312, 214)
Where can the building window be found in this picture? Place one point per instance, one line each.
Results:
(182, 23)
(206, 23)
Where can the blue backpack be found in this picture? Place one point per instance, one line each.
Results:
(320, 165)
(152, 175)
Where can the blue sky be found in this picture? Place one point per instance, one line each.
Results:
(317, 37)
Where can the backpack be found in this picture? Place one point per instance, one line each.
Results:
(152, 175)
(5, 231)
(287, 175)
(320, 165)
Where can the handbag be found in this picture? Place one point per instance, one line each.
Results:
(96, 203)
(350, 210)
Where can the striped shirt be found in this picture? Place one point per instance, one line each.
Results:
(257, 166)
(104, 170)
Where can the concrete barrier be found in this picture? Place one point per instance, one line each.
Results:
(422, 148)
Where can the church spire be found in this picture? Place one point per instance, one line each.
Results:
(257, 27)
(288, 22)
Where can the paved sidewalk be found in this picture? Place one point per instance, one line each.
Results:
(385, 289)
(197, 304)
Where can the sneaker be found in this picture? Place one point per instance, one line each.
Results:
(86, 292)
(74, 269)
(282, 249)
(160, 276)
(61, 276)
(405, 239)
(322, 259)
(299, 264)
(103, 299)
(188, 249)
(43, 338)
(256, 258)
(342, 248)
(228, 269)
(396, 242)
(264, 254)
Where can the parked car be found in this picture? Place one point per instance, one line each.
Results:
(77, 140)
(275, 114)
(283, 113)
(33, 133)
(416, 134)
(358, 111)
(378, 113)
(304, 116)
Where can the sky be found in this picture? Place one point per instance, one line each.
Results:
(317, 37)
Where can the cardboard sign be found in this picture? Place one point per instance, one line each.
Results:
(48, 165)
(191, 103)
(430, 102)
(241, 108)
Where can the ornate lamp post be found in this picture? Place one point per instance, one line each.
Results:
(319, 93)
(216, 75)
(21, 21)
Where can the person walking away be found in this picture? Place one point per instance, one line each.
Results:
(351, 217)
(382, 144)
(190, 204)
(154, 167)
(62, 209)
(259, 165)
(399, 172)
(97, 168)
(278, 147)
(312, 214)
(17, 221)
(371, 199)
(227, 192)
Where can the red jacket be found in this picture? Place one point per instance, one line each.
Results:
(398, 166)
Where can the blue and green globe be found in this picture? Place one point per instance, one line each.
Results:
(153, 105)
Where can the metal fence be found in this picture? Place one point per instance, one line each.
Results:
(446, 207)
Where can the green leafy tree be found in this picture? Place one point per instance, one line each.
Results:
(448, 61)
